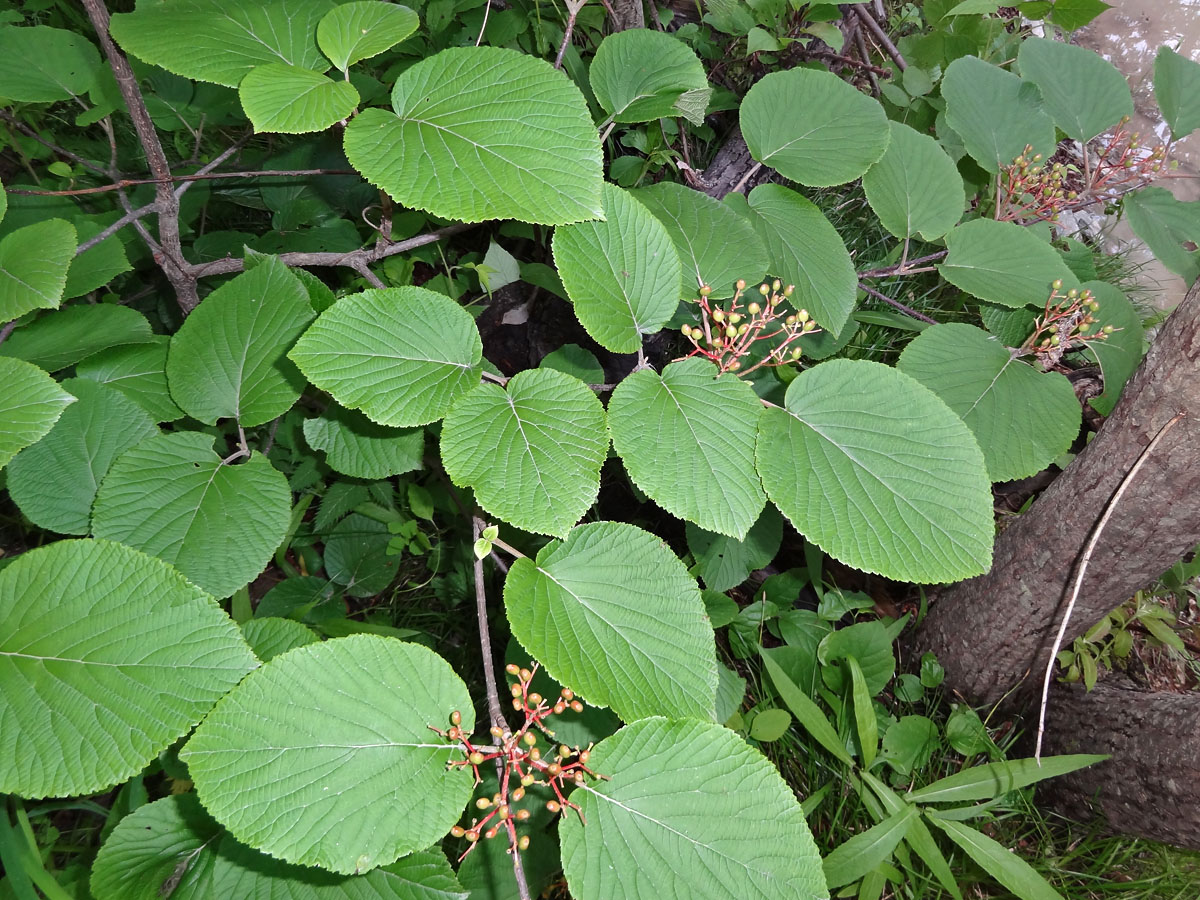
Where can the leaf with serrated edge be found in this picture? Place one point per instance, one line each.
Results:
(1001, 262)
(228, 358)
(30, 404)
(915, 187)
(613, 614)
(532, 452)
(139, 371)
(687, 439)
(463, 144)
(33, 267)
(1023, 419)
(62, 337)
(356, 446)
(107, 656)
(672, 796)
(812, 127)
(171, 496)
(401, 355)
(294, 100)
(715, 245)
(325, 756)
(54, 482)
(1084, 92)
(877, 471)
(640, 75)
(357, 31)
(623, 275)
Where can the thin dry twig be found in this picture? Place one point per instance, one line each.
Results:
(907, 310)
(122, 183)
(879, 34)
(573, 8)
(1109, 508)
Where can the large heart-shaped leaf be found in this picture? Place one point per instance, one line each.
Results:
(228, 359)
(640, 75)
(1001, 262)
(356, 446)
(172, 497)
(107, 656)
(1084, 92)
(1177, 90)
(33, 267)
(613, 614)
(715, 244)
(698, 795)
(139, 371)
(1023, 419)
(915, 188)
(532, 452)
(360, 30)
(63, 337)
(806, 252)
(43, 64)
(294, 100)
(875, 469)
(54, 482)
(995, 113)
(325, 756)
(401, 355)
(687, 439)
(222, 40)
(464, 145)
(173, 846)
(31, 403)
(812, 127)
(622, 274)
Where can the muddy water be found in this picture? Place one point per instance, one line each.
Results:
(1129, 35)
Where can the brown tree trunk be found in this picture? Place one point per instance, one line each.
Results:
(990, 631)
(627, 14)
(1151, 786)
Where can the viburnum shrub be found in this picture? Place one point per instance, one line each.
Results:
(249, 255)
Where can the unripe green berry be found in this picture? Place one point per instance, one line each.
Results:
(754, 309)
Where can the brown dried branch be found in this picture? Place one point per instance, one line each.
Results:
(879, 34)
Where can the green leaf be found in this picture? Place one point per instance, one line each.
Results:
(356, 555)
(270, 637)
(357, 31)
(139, 371)
(325, 757)
(54, 481)
(995, 113)
(695, 794)
(613, 614)
(96, 266)
(294, 100)
(770, 724)
(1170, 228)
(807, 713)
(998, 861)
(1177, 90)
(463, 144)
(356, 446)
(687, 440)
(172, 497)
(906, 496)
(860, 854)
(172, 847)
(228, 359)
(724, 562)
(573, 360)
(1023, 419)
(1001, 262)
(33, 267)
(1121, 352)
(993, 780)
(909, 743)
(966, 733)
(107, 656)
(1084, 93)
(915, 187)
(812, 127)
(532, 453)
(63, 337)
(807, 252)
(43, 64)
(401, 355)
(868, 643)
(640, 75)
(30, 404)
(222, 40)
(1073, 14)
(865, 725)
(715, 245)
(622, 274)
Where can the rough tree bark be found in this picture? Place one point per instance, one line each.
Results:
(1151, 786)
(989, 631)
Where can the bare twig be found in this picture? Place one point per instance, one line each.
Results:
(907, 310)
(573, 8)
(880, 35)
(905, 269)
(170, 259)
(61, 151)
(495, 711)
(860, 43)
(7, 330)
(215, 162)
(123, 183)
(131, 216)
(850, 61)
(1083, 564)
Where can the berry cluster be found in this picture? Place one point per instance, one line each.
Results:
(1066, 324)
(522, 763)
(726, 335)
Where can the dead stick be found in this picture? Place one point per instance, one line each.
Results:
(880, 35)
